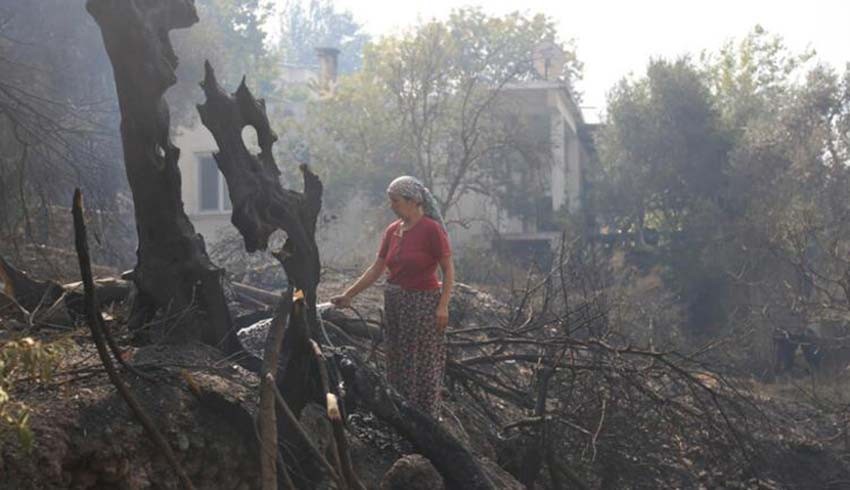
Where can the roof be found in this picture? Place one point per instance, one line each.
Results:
(544, 85)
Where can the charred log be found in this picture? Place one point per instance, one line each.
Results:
(49, 301)
(173, 270)
(28, 292)
(453, 460)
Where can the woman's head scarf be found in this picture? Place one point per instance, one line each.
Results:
(411, 188)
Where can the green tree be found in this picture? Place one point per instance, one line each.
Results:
(788, 172)
(663, 149)
(741, 164)
(790, 177)
(664, 152)
(753, 75)
(427, 102)
(230, 35)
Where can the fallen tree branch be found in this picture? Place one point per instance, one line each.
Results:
(28, 292)
(48, 302)
(256, 294)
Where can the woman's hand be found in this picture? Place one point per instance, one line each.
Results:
(442, 317)
(341, 301)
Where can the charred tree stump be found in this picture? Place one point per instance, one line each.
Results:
(173, 270)
(262, 206)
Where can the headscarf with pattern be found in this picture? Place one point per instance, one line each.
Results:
(411, 188)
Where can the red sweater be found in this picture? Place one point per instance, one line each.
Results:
(412, 257)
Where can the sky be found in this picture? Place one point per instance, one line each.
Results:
(616, 38)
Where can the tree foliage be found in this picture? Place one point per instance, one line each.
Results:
(427, 102)
(665, 156)
(231, 36)
(305, 27)
(739, 163)
(787, 228)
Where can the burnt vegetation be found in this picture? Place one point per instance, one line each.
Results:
(608, 365)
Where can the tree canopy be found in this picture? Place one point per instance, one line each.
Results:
(427, 102)
(738, 163)
(231, 36)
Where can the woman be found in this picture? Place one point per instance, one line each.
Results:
(415, 303)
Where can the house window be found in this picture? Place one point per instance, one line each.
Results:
(214, 195)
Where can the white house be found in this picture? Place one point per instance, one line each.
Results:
(547, 110)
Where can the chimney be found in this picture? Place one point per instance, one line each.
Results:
(549, 60)
(327, 67)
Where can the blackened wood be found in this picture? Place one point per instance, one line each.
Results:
(38, 296)
(28, 292)
(173, 270)
(267, 416)
(453, 460)
(261, 205)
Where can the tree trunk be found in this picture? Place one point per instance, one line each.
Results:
(261, 205)
(173, 271)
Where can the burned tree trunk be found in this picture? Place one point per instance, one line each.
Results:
(173, 270)
(261, 205)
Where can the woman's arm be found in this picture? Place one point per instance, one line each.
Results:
(448, 269)
(364, 281)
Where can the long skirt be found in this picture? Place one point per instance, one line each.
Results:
(416, 350)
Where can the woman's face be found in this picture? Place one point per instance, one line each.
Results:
(402, 207)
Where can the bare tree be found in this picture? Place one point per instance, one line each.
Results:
(54, 131)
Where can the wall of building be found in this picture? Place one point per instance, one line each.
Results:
(197, 143)
(555, 174)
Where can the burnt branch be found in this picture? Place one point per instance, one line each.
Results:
(267, 415)
(95, 321)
